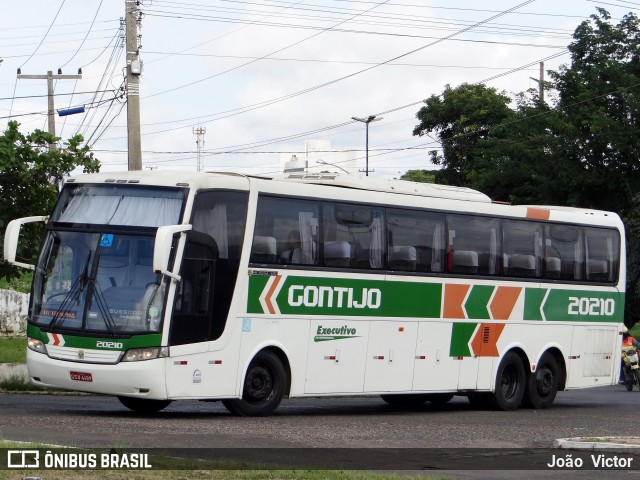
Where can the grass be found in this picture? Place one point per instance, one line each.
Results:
(21, 284)
(201, 470)
(13, 350)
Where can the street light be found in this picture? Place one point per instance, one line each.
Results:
(322, 162)
(367, 121)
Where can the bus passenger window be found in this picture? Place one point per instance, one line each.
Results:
(286, 231)
(522, 248)
(415, 240)
(565, 243)
(476, 240)
(361, 228)
(601, 248)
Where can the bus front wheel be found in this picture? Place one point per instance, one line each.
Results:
(263, 389)
(144, 405)
(510, 383)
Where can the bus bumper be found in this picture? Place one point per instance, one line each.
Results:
(144, 379)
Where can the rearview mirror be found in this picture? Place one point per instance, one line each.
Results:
(162, 249)
(11, 237)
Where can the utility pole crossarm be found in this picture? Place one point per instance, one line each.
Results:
(50, 77)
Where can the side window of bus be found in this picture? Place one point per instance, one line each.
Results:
(564, 253)
(473, 245)
(601, 248)
(286, 232)
(415, 241)
(522, 248)
(353, 236)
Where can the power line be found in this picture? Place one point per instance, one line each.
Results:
(45, 35)
(85, 37)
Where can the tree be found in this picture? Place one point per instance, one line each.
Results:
(581, 150)
(29, 173)
(461, 118)
(422, 176)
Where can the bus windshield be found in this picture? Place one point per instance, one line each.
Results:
(98, 282)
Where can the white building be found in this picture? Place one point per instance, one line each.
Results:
(318, 157)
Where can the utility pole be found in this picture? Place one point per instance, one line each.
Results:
(49, 77)
(199, 133)
(134, 70)
(540, 83)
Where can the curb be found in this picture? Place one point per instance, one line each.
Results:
(8, 370)
(620, 444)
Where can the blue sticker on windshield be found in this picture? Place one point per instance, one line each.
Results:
(106, 240)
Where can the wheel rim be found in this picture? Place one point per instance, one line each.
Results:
(544, 381)
(259, 384)
(509, 381)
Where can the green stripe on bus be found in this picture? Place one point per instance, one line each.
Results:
(460, 338)
(477, 302)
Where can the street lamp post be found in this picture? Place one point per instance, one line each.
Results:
(367, 121)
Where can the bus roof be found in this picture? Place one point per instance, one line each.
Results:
(390, 186)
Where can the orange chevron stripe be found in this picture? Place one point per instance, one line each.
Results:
(538, 213)
(454, 295)
(484, 343)
(503, 302)
(267, 298)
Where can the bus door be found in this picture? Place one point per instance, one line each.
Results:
(191, 322)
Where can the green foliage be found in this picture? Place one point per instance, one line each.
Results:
(30, 172)
(19, 284)
(582, 149)
(422, 176)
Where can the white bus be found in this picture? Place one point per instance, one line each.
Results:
(161, 286)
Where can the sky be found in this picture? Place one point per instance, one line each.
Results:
(263, 76)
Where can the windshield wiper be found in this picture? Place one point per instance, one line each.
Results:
(77, 286)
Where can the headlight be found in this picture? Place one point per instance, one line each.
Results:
(139, 354)
(36, 345)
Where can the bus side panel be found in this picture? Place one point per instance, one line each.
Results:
(201, 370)
(591, 362)
(336, 358)
(285, 334)
(390, 356)
(435, 369)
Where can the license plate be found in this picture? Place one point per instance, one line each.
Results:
(81, 376)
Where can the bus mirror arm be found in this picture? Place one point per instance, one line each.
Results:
(162, 249)
(11, 237)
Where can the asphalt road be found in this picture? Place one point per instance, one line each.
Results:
(338, 423)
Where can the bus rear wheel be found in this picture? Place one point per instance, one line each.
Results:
(264, 387)
(144, 405)
(542, 385)
(510, 383)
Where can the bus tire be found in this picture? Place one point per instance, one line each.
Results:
(406, 399)
(542, 385)
(439, 398)
(263, 389)
(510, 383)
(143, 405)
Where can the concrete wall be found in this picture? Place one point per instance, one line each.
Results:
(13, 313)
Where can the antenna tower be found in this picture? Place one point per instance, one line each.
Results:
(199, 133)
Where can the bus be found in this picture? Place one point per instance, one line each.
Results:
(160, 286)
